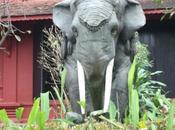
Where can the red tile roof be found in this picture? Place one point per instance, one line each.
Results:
(27, 7)
(42, 9)
(149, 4)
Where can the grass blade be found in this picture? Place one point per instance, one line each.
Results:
(135, 107)
(112, 111)
(34, 111)
(4, 117)
(63, 109)
(131, 74)
(41, 120)
(19, 113)
(63, 77)
(45, 107)
(171, 116)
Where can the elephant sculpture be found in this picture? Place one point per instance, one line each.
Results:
(98, 33)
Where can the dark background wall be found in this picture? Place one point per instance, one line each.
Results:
(160, 37)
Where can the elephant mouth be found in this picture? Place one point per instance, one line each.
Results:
(108, 84)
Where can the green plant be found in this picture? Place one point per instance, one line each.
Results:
(51, 60)
(146, 98)
(112, 111)
(8, 124)
(45, 105)
(32, 120)
(19, 113)
(150, 91)
(4, 117)
(41, 120)
(170, 121)
(62, 94)
(133, 96)
(39, 115)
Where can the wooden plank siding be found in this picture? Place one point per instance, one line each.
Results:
(16, 75)
(1, 75)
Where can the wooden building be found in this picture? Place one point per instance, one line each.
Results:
(21, 78)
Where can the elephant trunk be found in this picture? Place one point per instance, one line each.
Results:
(95, 57)
(94, 61)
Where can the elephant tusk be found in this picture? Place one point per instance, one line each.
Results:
(108, 85)
(81, 83)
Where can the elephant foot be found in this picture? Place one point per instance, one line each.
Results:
(74, 117)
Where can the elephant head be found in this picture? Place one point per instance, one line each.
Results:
(94, 29)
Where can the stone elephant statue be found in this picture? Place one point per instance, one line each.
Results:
(98, 32)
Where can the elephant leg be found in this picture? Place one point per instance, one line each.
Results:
(119, 92)
(71, 84)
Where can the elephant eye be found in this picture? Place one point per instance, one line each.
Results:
(75, 31)
(114, 32)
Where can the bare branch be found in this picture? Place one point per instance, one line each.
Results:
(4, 37)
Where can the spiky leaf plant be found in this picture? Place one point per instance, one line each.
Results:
(150, 92)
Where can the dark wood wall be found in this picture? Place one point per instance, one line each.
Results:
(160, 37)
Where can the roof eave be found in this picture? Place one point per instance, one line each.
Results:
(153, 12)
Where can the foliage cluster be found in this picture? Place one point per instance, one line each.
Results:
(148, 106)
(38, 116)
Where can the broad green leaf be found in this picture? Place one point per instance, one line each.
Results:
(34, 112)
(171, 117)
(132, 93)
(19, 113)
(41, 120)
(135, 107)
(131, 74)
(112, 110)
(45, 107)
(4, 117)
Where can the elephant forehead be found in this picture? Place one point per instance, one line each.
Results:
(95, 13)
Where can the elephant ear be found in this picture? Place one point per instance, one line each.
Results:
(134, 18)
(62, 17)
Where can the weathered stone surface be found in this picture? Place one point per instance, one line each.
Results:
(74, 117)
